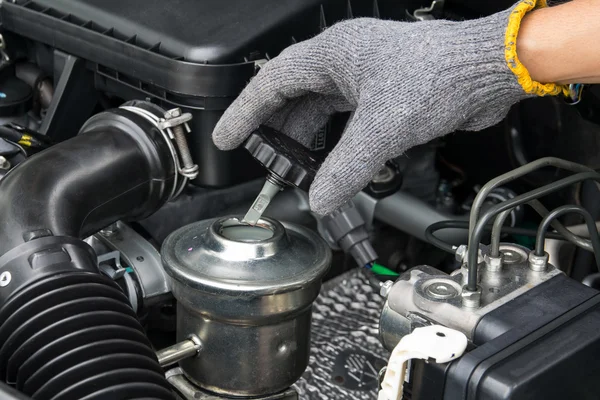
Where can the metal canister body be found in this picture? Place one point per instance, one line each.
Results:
(247, 294)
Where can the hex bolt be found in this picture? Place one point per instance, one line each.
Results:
(461, 253)
(5, 279)
(386, 288)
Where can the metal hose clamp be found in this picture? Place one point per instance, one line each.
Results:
(158, 122)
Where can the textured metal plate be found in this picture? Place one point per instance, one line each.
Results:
(346, 354)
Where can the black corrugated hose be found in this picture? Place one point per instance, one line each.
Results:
(66, 331)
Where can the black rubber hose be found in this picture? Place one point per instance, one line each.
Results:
(454, 224)
(117, 168)
(66, 331)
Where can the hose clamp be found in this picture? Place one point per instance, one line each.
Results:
(165, 130)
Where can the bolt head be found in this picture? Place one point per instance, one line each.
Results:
(461, 253)
(110, 230)
(5, 278)
(386, 288)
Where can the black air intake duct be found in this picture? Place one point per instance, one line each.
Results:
(67, 332)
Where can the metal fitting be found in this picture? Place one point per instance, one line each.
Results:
(471, 299)
(174, 117)
(179, 351)
(538, 263)
(461, 253)
(386, 288)
(110, 230)
(441, 289)
(493, 264)
(197, 342)
(174, 122)
(5, 279)
(4, 163)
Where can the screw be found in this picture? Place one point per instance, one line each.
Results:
(5, 278)
(386, 288)
(110, 230)
(188, 166)
(140, 258)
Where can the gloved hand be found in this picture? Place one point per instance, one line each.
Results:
(407, 84)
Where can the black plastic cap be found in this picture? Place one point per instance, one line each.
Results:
(287, 159)
(16, 97)
(387, 181)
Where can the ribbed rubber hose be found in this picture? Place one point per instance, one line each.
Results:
(74, 336)
(66, 331)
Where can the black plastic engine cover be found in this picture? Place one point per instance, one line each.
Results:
(206, 31)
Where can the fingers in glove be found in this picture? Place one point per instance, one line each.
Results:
(357, 157)
(297, 71)
(304, 117)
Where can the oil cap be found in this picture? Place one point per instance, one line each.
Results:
(287, 161)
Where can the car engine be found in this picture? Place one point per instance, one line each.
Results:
(468, 268)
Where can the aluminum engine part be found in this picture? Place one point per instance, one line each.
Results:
(246, 292)
(126, 257)
(425, 295)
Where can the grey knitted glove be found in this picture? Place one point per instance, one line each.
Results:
(407, 84)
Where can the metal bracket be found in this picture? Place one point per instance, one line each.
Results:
(182, 119)
(117, 272)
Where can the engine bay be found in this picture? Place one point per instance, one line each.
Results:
(138, 261)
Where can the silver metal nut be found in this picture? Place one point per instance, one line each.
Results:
(471, 299)
(386, 288)
(175, 112)
(538, 263)
(461, 253)
(493, 264)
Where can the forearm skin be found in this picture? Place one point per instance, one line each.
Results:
(562, 44)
